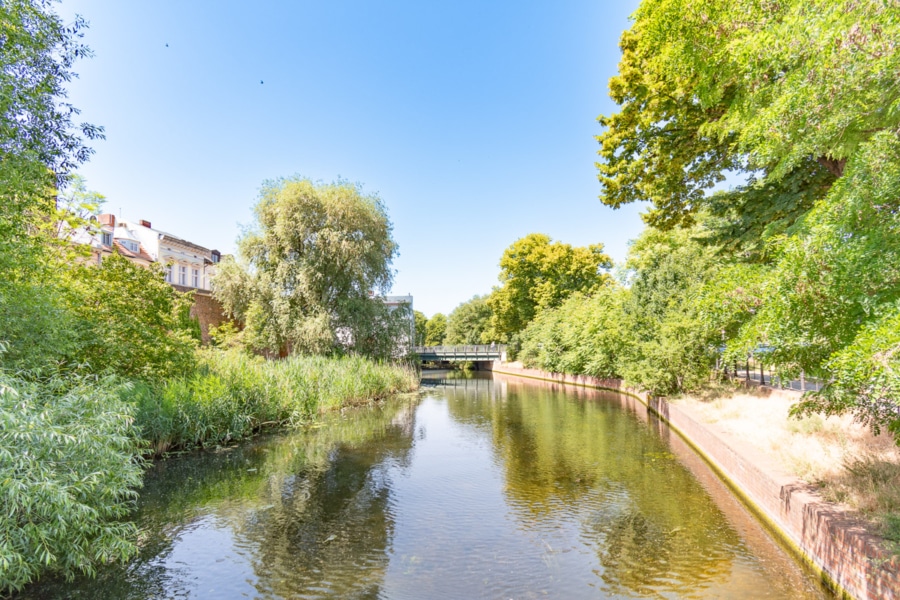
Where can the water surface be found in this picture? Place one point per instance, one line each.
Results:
(478, 488)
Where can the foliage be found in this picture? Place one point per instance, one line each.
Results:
(667, 346)
(865, 378)
(67, 476)
(470, 323)
(841, 271)
(582, 336)
(36, 326)
(232, 395)
(310, 266)
(436, 330)
(131, 320)
(766, 88)
(537, 273)
(39, 147)
(39, 143)
(421, 321)
(799, 100)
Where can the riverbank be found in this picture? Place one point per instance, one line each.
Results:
(847, 463)
(233, 395)
(826, 536)
(72, 447)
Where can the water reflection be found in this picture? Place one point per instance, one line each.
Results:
(478, 489)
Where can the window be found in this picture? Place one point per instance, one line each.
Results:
(195, 278)
(182, 275)
(106, 238)
(169, 273)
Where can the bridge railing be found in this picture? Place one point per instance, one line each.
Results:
(461, 351)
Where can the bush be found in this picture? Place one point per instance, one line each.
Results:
(583, 336)
(67, 475)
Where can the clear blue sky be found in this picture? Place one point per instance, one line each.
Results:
(473, 120)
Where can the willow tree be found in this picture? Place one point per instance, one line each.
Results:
(310, 271)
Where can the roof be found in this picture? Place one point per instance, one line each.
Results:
(141, 255)
(172, 238)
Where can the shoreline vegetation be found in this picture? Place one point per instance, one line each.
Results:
(73, 447)
(233, 395)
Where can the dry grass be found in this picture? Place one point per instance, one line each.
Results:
(849, 464)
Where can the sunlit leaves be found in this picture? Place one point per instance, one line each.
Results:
(309, 270)
(470, 322)
(67, 478)
(713, 86)
(536, 274)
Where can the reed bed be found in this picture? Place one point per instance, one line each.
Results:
(232, 395)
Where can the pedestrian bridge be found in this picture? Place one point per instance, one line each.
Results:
(483, 352)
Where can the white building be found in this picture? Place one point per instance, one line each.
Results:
(187, 265)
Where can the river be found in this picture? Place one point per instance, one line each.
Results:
(476, 488)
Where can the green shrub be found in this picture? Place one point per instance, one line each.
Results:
(67, 475)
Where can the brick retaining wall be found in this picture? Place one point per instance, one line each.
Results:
(826, 537)
(208, 311)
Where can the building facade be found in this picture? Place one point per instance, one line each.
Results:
(188, 266)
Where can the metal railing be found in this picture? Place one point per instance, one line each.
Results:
(753, 371)
(463, 352)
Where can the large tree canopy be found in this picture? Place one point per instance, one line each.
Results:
(800, 99)
(537, 273)
(312, 268)
(786, 91)
(470, 322)
(40, 144)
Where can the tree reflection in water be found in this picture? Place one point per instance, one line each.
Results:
(304, 513)
(483, 489)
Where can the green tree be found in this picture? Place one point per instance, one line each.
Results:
(436, 330)
(421, 321)
(132, 322)
(311, 269)
(470, 322)
(583, 336)
(801, 99)
(39, 147)
(785, 91)
(537, 273)
(39, 142)
(667, 347)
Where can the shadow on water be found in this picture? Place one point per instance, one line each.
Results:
(480, 488)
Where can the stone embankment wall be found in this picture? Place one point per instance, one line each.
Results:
(835, 544)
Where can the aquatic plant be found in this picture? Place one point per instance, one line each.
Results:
(233, 394)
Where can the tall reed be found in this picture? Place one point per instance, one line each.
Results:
(233, 395)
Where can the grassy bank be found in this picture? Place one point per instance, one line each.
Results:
(232, 395)
(841, 457)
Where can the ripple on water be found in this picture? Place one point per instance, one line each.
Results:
(479, 490)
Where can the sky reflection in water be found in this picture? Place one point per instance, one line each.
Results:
(477, 489)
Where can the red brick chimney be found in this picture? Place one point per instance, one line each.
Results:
(146, 223)
(107, 219)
